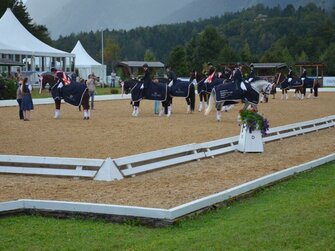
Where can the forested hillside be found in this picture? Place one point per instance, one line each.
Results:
(257, 34)
(205, 9)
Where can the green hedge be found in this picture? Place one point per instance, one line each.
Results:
(7, 88)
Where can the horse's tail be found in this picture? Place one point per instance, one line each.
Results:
(211, 102)
(192, 97)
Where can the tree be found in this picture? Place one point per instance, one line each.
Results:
(302, 57)
(245, 53)
(228, 55)
(177, 60)
(149, 55)
(328, 58)
(111, 54)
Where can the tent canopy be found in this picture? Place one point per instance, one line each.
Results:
(16, 39)
(82, 57)
(87, 65)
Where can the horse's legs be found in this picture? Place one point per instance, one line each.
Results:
(136, 108)
(57, 108)
(86, 105)
(218, 107)
(166, 108)
(191, 97)
(315, 87)
(201, 96)
(188, 101)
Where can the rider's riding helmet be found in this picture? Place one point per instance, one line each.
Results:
(145, 66)
(53, 69)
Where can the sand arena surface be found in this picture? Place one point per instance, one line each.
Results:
(112, 132)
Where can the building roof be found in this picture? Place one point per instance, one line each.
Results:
(82, 57)
(269, 65)
(16, 39)
(140, 64)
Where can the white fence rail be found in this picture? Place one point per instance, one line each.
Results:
(158, 159)
(116, 169)
(56, 166)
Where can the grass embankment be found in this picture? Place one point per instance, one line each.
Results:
(295, 214)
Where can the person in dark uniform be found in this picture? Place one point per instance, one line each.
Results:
(210, 73)
(290, 75)
(62, 80)
(237, 77)
(227, 73)
(171, 75)
(303, 80)
(146, 78)
(251, 74)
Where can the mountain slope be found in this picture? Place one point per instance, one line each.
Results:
(64, 17)
(209, 8)
(87, 15)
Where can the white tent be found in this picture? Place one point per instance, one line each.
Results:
(17, 43)
(87, 65)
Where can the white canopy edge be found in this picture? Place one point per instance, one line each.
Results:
(16, 39)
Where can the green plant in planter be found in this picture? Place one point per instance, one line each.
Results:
(254, 121)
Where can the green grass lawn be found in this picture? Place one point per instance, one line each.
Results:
(296, 214)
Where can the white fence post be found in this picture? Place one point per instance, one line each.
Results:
(108, 171)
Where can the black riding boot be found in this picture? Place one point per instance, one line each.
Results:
(59, 93)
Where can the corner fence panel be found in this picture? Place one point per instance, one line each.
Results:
(56, 166)
(116, 169)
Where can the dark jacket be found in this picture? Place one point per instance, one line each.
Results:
(238, 76)
(146, 78)
(252, 74)
(171, 76)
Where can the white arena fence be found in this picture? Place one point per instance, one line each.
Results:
(145, 215)
(119, 168)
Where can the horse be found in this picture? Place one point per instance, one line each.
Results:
(75, 94)
(161, 91)
(312, 84)
(205, 88)
(227, 92)
(202, 91)
(298, 84)
(180, 88)
(154, 91)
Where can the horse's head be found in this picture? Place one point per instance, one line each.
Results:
(44, 79)
(128, 85)
(262, 86)
(267, 88)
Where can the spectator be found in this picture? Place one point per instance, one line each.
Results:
(19, 98)
(113, 77)
(91, 85)
(27, 101)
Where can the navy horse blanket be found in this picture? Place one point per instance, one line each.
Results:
(72, 93)
(227, 91)
(308, 83)
(154, 91)
(294, 83)
(208, 87)
(180, 89)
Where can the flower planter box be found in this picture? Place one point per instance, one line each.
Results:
(250, 141)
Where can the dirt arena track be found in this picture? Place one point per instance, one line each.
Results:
(112, 132)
